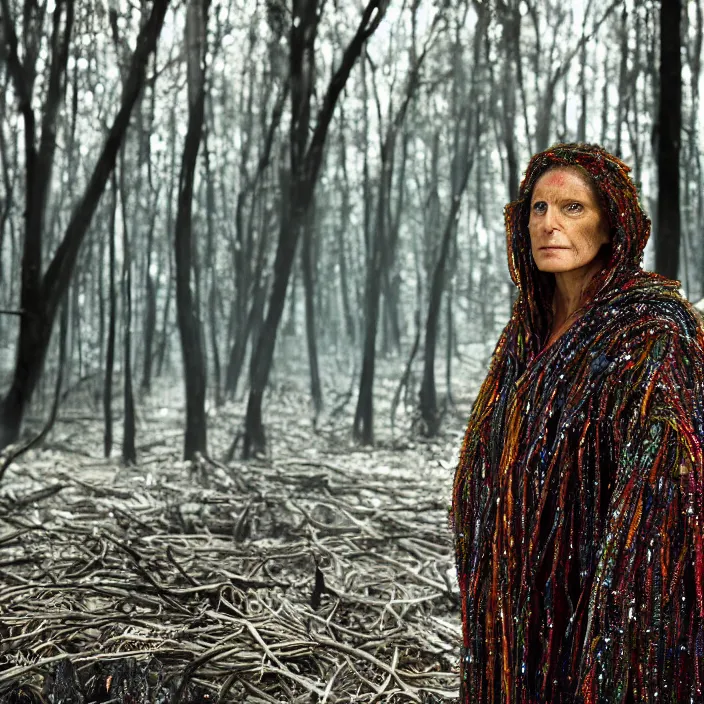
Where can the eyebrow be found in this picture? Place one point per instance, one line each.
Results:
(559, 200)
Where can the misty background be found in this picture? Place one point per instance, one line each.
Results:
(317, 181)
(252, 267)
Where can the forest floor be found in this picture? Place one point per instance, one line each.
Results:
(321, 573)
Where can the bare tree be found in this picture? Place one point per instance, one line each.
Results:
(667, 242)
(467, 129)
(112, 325)
(40, 293)
(306, 152)
(378, 247)
(189, 323)
(150, 283)
(129, 445)
(248, 260)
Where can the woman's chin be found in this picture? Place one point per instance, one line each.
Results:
(554, 267)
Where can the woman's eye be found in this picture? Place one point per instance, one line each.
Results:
(540, 207)
(575, 207)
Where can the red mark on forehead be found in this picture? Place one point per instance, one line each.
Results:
(554, 179)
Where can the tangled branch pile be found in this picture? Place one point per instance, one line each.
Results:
(296, 581)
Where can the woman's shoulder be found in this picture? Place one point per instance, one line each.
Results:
(656, 305)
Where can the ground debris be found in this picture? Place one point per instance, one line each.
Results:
(297, 580)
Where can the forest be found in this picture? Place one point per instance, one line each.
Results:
(252, 269)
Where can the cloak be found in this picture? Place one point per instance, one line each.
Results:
(577, 500)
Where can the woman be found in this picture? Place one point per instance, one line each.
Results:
(577, 501)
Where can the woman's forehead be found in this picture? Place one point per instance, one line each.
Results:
(563, 177)
(554, 178)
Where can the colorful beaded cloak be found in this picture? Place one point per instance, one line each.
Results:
(577, 500)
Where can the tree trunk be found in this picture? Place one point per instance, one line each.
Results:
(250, 327)
(582, 125)
(40, 294)
(363, 426)
(210, 259)
(189, 323)
(605, 104)
(307, 266)
(450, 342)
(378, 254)
(241, 321)
(694, 60)
(467, 131)
(350, 325)
(511, 31)
(8, 182)
(164, 336)
(129, 448)
(150, 272)
(149, 320)
(623, 84)
(667, 241)
(390, 278)
(306, 157)
(112, 323)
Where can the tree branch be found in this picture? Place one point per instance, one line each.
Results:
(47, 141)
(58, 274)
(372, 16)
(17, 71)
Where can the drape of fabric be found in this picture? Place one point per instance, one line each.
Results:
(578, 495)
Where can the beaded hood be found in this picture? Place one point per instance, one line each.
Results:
(629, 233)
(578, 494)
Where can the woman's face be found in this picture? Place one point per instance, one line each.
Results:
(567, 226)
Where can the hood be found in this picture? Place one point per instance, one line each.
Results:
(628, 224)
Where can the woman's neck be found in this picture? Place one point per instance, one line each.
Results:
(569, 290)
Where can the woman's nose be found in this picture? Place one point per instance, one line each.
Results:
(550, 219)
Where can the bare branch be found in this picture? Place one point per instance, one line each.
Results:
(372, 16)
(60, 269)
(15, 67)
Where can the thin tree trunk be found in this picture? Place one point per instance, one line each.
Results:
(40, 294)
(241, 320)
(391, 279)
(467, 131)
(363, 427)
(149, 319)
(377, 250)
(129, 447)
(212, 275)
(582, 125)
(164, 338)
(306, 158)
(622, 105)
(149, 275)
(194, 368)
(667, 242)
(252, 323)
(309, 300)
(350, 327)
(112, 324)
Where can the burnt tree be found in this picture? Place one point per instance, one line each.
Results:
(306, 153)
(378, 251)
(112, 325)
(667, 241)
(467, 109)
(40, 293)
(189, 323)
